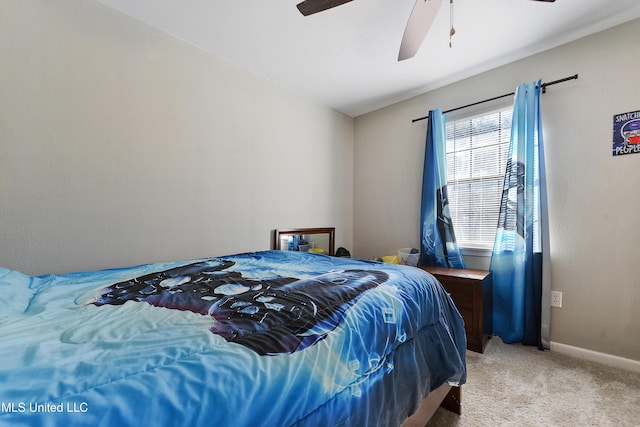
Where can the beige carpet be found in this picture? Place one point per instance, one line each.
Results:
(515, 385)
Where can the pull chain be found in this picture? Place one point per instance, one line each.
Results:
(452, 30)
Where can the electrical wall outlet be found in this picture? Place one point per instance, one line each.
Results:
(556, 299)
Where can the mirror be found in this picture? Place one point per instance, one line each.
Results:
(319, 239)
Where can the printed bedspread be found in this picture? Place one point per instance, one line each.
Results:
(267, 338)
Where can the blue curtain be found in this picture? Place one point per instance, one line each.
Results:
(517, 258)
(438, 241)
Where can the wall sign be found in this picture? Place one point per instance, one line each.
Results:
(626, 133)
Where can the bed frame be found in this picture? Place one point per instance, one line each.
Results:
(445, 396)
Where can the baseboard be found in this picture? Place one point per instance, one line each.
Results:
(594, 356)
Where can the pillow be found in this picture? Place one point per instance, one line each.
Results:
(15, 293)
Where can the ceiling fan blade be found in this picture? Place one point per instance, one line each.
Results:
(422, 16)
(309, 7)
(548, 1)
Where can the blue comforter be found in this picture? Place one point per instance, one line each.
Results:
(267, 338)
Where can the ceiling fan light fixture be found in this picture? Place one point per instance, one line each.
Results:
(420, 21)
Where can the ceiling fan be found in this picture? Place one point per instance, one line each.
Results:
(422, 16)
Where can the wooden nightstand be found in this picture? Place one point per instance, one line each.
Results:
(471, 291)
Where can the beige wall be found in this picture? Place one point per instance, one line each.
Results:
(593, 196)
(122, 145)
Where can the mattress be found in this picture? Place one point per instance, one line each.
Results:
(263, 338)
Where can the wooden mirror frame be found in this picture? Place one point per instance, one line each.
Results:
(331, 231)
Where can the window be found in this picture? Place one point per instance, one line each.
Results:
(477, 149)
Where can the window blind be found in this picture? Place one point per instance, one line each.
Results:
(477, 149)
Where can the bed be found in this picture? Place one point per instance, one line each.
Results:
(262, 338)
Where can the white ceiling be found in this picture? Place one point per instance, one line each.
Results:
(346, 57)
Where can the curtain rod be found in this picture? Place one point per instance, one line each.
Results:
(544, 90)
